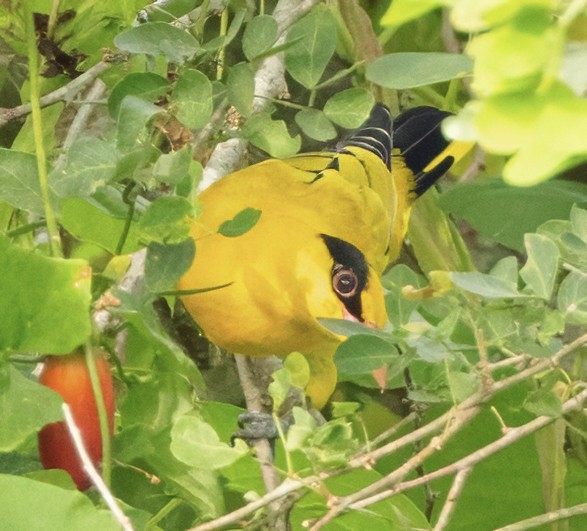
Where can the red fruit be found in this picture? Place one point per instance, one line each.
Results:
(68, 375)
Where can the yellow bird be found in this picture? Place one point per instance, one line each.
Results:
(330, 223)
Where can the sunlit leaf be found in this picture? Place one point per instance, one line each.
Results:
(23, 500)
(194, 442)
(90, 221)
(402, 11)
(45, 303)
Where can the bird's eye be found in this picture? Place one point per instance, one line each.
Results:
(345, 282)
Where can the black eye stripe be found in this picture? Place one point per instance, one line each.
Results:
(349, 273)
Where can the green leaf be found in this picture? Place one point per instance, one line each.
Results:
(344, 327)
(26, 407)
(135, 114)
(45, 303)
(279, 387)
(301, 430)
(462, 385)
(572, 298)
(173, 167)
(271, 136)
(493, 207)
(158, 38)
(363, 354)
(89, 220)
(90, 163)
(260, 34)
(544, 402)
(167, 220)
(349, 108)
(166, 263)
(507, 270)
(19, 181)
(402, 11)
(240, 86)
(405, 70)
(243, 222)
(579, 222)
(195, 443)
(29, 504)
(221, 41)
(315, 41)
(297, 366)
(501, 67)
(149, 341)
(399, 309)
(145, 85)
(485, 285)
(315, 124)
(192, 99)
(25, 140)
(359, 356)
(521, 123)
(540, 269)
(473, 17)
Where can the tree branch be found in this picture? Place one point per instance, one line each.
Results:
(454, 493)
(65, 93)
(546, 518)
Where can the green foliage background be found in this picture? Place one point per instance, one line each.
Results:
(104, 136)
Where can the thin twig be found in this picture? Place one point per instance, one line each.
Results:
(546, 518)
(65, 93)
(451, 500)
(96, 92)
(364, 497)
(467, 462)
(90, 469)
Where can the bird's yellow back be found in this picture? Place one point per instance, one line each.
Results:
(330, 223)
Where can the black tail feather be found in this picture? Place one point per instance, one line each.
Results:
(375, 135)
(419, 139)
